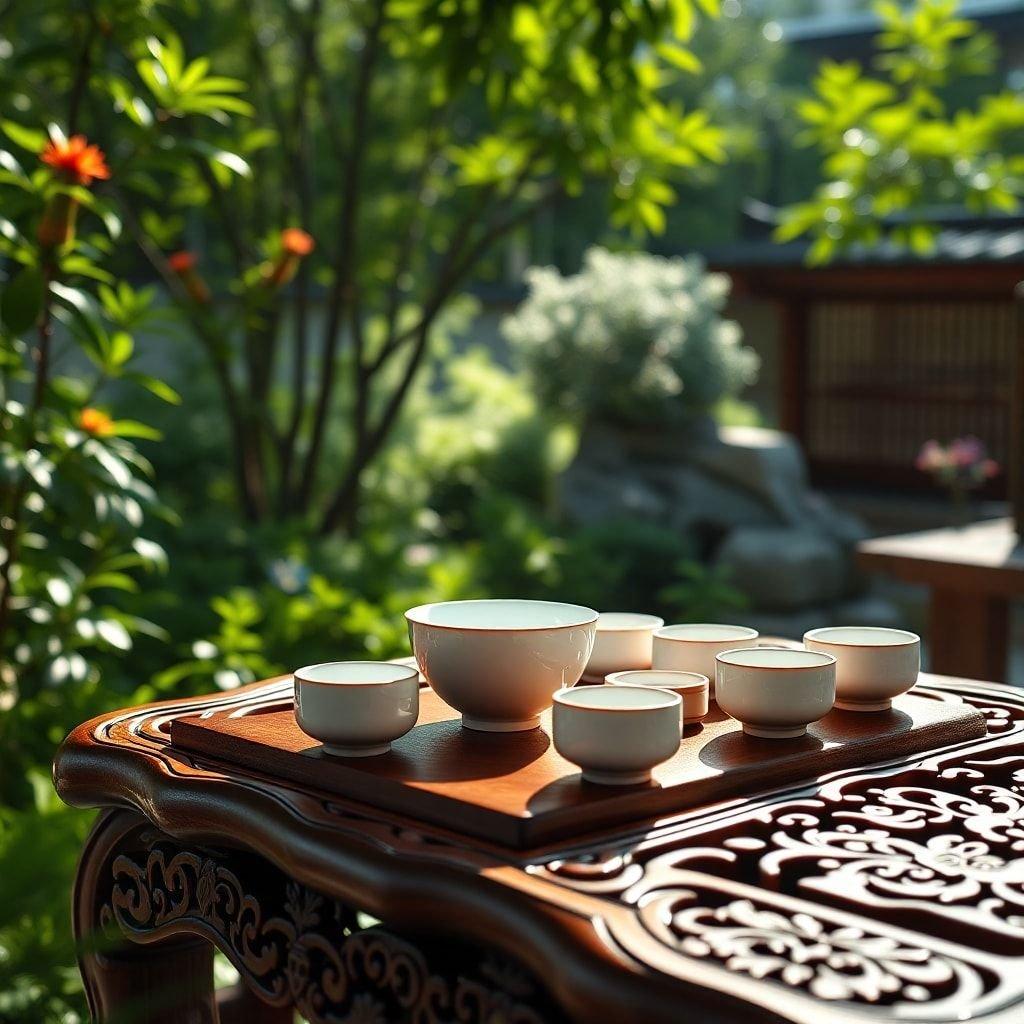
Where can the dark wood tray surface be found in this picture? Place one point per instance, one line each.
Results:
(514, 789)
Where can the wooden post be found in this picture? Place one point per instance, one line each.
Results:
(793, 365)
(1015, 448)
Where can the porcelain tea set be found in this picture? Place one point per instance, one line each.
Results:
(501, 663)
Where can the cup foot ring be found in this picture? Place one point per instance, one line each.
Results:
(777, 733)
(618, 778)
(334, 750)
(858, 705)
(500, 725)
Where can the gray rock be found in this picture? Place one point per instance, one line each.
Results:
(593, 495)
(784, 568)
(868, 610)
(695, 500)
(742, 489)
(789, 625)
(765, 464)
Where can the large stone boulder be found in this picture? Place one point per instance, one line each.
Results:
(743, 494)
(784, 568)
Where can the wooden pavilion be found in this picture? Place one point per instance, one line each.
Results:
(884, 349)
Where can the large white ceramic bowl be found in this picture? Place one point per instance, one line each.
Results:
(624, 641)
(499, 662)
(776, 692)
(616, 734)
(356, 708)
(692, 688)
(873, 664)
(692, 646)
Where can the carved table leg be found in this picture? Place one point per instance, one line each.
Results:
(293, 946)
(237, 1005)
(169, 981)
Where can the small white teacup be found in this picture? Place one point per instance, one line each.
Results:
(356, 708)
(692, 646)
(873, 663)
(623, 641)
(692, 688)
(616, 734)
(776, 692)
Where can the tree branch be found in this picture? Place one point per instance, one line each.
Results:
(415, 226)
(302, 163)
(247, 471)
(457, 268)
(12, 522)
(347, 254)
(81, 80)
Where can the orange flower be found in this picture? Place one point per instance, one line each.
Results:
(95, 422)
(184, 265)
(297, 242)
(296, 245)
(76, 160)
(182, 261)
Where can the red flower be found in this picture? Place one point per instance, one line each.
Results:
(182, 261)
(95, 422)
(184, 265)
(297, 242)
(76, 160)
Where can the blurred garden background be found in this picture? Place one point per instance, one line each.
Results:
(311, 311)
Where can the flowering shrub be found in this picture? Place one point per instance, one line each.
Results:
(632, 338)
(74, 489)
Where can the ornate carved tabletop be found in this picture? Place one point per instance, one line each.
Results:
(894, 893)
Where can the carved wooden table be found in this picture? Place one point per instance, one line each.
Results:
(973, 573)
(889, 894)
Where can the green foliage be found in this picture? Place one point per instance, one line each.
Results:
(408, 137)
(633, 338)
(39, 847)
(890, 144)
(578, 89)
(75, 491)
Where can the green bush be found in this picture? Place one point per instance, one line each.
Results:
(632, 338)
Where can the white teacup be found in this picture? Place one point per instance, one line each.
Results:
(692, 646)
(356, 708)
(616, 734)
(500, 661)
(776, 692)
(873, 663)
(623, 641)
(692, 688)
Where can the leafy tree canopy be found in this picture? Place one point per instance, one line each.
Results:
(891, 143)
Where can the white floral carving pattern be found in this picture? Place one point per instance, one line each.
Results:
(906, 845)
(831, 961)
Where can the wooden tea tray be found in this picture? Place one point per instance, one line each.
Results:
(514, 788)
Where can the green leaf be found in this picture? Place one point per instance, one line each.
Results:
(22, 300)
(60, 591)
(680, 57)
(158, 387)
(121, 348)
(85, 267)
(114, 633)
(112, 580)
(28, 138)
(133, 428)
(151, 552)
(232, 161)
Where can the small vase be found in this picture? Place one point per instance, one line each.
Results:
(961, 498)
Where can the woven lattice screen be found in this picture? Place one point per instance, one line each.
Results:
(883, 377)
